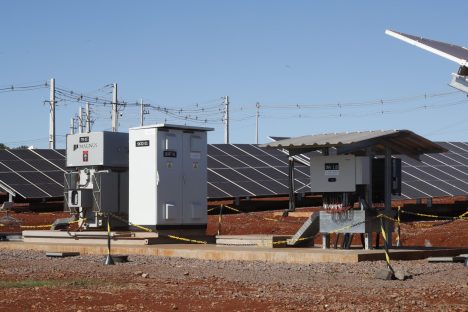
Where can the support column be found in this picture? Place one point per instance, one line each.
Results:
(388, 195)
(369, 200)
(292, 194)
(326, 241)
(368, 241)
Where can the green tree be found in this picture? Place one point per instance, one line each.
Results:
(3, 146)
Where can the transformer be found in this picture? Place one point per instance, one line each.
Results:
(168, 177)
(96, 182)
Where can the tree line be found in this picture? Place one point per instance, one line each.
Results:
(3, 147)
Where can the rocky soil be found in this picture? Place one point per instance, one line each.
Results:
(30, 281)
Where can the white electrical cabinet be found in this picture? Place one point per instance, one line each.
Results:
(338, 173)
(168, 176)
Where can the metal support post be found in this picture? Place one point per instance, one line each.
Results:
(398, 241)
(367, 241)
(388, 196)
(292, 197)
(115, 113)
(109, 260)
(369, 199)
(325, 241)
(52, 115)
(220, 219)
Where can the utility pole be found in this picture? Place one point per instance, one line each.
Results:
(72, 125)
(143, 112)
(226, 119)
(256, 125)
(115, 113)
(52, 115)
(88, 118)
(80, 119)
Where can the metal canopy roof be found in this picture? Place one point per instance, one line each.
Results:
(401, 142)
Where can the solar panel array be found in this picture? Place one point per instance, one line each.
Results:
(238, 170)
(33, 173)
(244, 170)
(436, 175)
(452, 52)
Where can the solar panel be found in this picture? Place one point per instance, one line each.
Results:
(21, 186)
(31, 175)
(241, 170)
(247, 170)
(452, 52)
(56, 157)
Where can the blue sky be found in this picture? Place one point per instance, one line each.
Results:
(287, 54)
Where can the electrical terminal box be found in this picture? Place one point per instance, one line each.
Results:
(338, 173)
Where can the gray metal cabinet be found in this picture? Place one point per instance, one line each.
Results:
(168, 179)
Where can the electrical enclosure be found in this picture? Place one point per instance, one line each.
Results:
(108, 149)
(168, 176)
(338, 173)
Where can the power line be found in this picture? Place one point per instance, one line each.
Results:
(23, 87)
(374, 102)
(364, 114)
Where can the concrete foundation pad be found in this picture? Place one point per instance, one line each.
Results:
(213, 252)
(259, 240)
(295, 214)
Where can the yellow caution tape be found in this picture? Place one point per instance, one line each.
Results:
(298, 240)
(187, 239)
(387, 255)
(233, 209)
(347, 227)
(434, 216)
(47, 225)
(170, 236)
(141, 227)
(398, 226)
(35, 226)
(384, 236)
(386, 217)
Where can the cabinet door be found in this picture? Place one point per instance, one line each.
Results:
(169, 177)
(194, 178)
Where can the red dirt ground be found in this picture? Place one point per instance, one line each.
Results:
(435, 233)
(29, 281)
